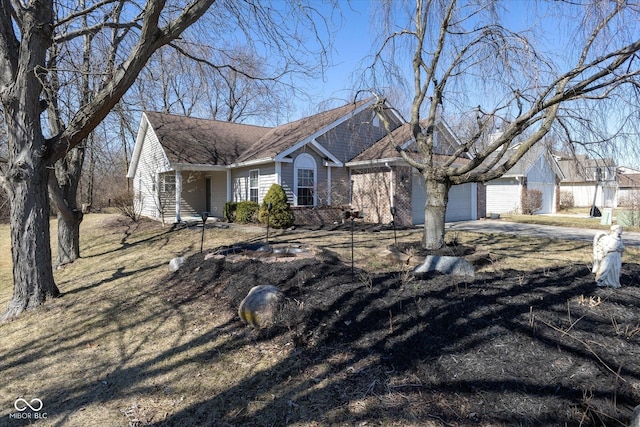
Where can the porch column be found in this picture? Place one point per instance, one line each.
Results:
(279, 173)
(392, 194)
(178, 194)
(329, 185)
(229, 187)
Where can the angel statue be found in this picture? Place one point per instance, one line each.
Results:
(607, 257)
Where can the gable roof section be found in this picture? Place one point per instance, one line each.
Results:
(383, 150)
(188, 140)
(580, 168)
(281, 141)
(631, 180)
(527, 162)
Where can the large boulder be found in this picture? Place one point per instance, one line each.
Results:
(452, 265)
(260, 306)
(635, 417)
(176, 263)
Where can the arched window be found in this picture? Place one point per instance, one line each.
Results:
(305, 171)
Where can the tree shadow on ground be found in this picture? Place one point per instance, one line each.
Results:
(502, 350)
(543, 348)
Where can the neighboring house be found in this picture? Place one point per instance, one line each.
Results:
(536, 170)
(382, 179)
(183, 166)
(588, 181)
(628, 187)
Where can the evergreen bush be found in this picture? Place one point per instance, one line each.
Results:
(280, 215)
(230, 211)
(246, 212)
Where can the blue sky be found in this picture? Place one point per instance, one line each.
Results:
(352, 44)
(355, 40)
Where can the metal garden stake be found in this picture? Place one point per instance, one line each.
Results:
(204, 217)
(393, 220)
(269, 207)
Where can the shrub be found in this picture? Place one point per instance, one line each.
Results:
(125, 204)
(531, 201)
(566, 200)
(246, 212)
(230, 211)
(280, 215)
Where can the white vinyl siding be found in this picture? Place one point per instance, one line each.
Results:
(152, 161)
(241, 179)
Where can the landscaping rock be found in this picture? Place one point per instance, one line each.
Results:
(176, 263)
(451, 265)
(260, 306)
(635, 418)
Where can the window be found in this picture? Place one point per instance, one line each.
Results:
(305, 187)
(254, 179)
(305, 174)
(168, 183)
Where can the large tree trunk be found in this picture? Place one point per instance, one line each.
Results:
(27, 171)
(63, 188)
(434, 213)
(30, 236)
(68, 237)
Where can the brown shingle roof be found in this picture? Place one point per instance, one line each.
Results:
(629, 180)
(283, 137)
(383, 149)
(582, 169)
(202, 141)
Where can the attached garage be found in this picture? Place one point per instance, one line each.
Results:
(548, 196)
(503, 195)
(537, 170)
(461, 206)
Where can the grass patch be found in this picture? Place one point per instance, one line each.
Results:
(577, 221)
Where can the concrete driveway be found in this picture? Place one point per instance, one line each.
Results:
(549, 231)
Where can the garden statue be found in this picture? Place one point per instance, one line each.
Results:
(607, 257)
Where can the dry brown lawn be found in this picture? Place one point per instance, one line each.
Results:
(115, 350)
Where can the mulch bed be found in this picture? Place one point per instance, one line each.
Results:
(541, 348)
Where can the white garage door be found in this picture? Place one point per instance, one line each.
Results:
(503, 196)
(458, 208)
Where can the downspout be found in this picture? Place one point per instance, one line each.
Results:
(392, 195)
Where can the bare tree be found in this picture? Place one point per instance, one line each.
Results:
(27, 35)
(465, 59)
(53, 98)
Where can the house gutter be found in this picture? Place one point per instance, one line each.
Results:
(377, 162)
(258, 162)
(199, 167)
